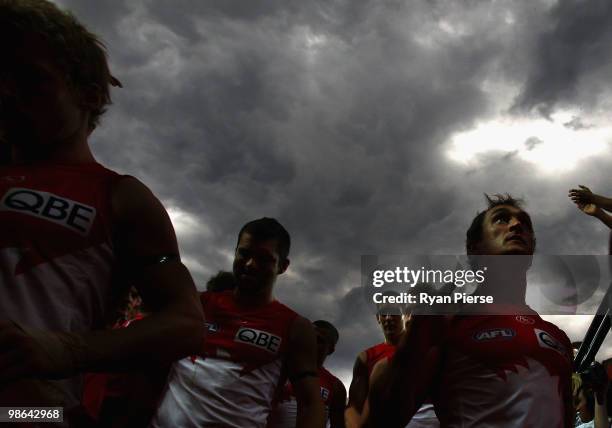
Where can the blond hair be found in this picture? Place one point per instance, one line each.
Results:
(80, 53)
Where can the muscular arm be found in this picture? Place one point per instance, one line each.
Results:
(358, 392)
(336, 407)
(302, 371)
(174, 328)
(399, 389)
(603, 202)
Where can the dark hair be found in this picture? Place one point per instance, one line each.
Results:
(330, 327)
(474, 233)
(222, 281)
(79, 53)
(267, 228)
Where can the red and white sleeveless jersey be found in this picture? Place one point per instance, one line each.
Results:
(284, 414)
(234, 379)
(56, 252)
(378, 352)
(504, 370)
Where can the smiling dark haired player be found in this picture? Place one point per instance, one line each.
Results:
(253, 343)
(502, 365)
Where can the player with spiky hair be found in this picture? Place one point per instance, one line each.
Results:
(496, 365)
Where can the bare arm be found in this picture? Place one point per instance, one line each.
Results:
(584, 196)
(601, 409)
(336, 407)
(302, 370)
(358, 392)
(595, 211)
(399, 389)
(173, 329)
(377, 371)
(604, 217)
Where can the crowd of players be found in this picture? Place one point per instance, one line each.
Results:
(76, 238)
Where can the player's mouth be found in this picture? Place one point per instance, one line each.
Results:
(247, 278)
(516, 238)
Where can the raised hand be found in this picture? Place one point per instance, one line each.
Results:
(582, 196)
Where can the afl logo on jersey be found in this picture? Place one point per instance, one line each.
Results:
(259, 338)
(494, 333)
(48, 206)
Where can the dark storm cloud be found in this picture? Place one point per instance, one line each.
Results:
(572, 55)
(334, 117)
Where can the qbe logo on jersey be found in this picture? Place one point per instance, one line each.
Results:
(324, 393)
(545, 340)
(48, 206)
(259, 338)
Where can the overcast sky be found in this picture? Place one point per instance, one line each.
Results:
(364, 126)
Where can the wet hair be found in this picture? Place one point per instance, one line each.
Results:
(79, 53)
(329, 327)
(266, 228)
(474, 233)
(222, 281)
(391, 308)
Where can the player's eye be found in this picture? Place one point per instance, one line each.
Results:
(501, 219)
(265, 258)
(242, 252)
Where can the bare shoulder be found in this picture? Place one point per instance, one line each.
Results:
(142, 225)
(128, 194)
(300, 328)
(339, 388)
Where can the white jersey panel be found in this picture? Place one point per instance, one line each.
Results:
(477, 397)
(425, 417)
(211, 392)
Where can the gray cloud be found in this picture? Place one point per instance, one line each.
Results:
(335, 117)
(571, 59)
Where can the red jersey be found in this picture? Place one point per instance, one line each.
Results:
(285, 412)
(504, 370)
(234, 379)
(378, 352)
(56, 257)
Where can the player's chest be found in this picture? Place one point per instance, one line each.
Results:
(245, 337)
(496, 341)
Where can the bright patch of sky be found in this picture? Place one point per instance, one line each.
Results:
(553, 146)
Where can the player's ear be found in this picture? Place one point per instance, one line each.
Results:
(282, 266)
(332, 348)
(89, 96)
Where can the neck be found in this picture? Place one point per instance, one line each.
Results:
(392, 339)
(73, 149)
(506, 279)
